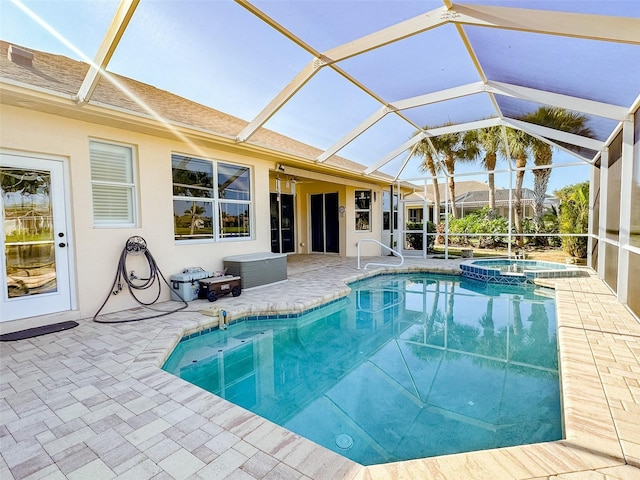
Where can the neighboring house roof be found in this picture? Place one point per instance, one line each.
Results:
(476, 194)
(462, 187)
(480, 198)
(62, 75)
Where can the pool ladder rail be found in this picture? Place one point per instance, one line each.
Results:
(391, 250)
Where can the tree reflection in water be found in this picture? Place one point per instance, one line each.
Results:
(513, 340)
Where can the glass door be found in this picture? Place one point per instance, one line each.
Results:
(325, 223)
(287, 230)
(282, 223)
(35, 260)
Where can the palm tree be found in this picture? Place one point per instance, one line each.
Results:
(518, 143)
(558, 119)
(542, 156)
(455, 147)
(490, 142)
(517, 316)
(452, 147)
(424, 150)
(446, 145)
(195, 213)
(486, 321)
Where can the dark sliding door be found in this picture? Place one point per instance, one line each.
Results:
(325, 233)
(282, 223)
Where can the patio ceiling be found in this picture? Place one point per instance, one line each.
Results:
(359, 78)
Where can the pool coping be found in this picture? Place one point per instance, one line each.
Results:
(591, 441)
(92, 402)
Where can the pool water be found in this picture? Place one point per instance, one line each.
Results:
(407, 366)
(518, 265)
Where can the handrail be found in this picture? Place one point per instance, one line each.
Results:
(382, 245)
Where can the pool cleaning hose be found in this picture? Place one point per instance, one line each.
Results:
(138, 246)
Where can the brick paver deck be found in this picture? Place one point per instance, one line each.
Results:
(92, 402)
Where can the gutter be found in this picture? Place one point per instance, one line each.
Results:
(55, 102)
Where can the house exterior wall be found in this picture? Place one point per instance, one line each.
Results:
(349, 236)
(95, 251)
(304, 210)
(354, 236)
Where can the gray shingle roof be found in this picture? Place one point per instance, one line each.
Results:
(481, 197)
(62, 75)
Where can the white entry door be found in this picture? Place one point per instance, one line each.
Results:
(35, 253)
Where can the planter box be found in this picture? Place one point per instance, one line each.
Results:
(256, 269)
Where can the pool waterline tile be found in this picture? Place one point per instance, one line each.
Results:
(490, 270)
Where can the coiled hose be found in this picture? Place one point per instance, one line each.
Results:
(138, 246)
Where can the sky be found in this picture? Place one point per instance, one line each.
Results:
(218, 54)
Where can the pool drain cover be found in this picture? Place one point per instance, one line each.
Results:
(344, 441)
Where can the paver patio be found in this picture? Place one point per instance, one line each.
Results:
(92, 402)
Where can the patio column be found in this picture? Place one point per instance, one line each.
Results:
(594, 175)
(625, 208)
(602, 226)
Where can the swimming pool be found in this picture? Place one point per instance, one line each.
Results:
(407, 366)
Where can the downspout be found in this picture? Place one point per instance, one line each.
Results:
(391, 224)
(446, 224)
(425, 220)
(503, 130)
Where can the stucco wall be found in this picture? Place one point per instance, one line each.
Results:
(304, 191)
(353, 235)
(95, 251)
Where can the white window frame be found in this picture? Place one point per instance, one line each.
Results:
(356, 197)
(131, 187)
(216, 203)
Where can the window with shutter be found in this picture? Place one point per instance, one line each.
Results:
(113, 185)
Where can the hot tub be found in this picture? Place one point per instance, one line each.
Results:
(504, 270)
(256, 269)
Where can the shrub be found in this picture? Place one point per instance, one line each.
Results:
(574, 217)
(548, 224)
(483, 222)
(414, 240)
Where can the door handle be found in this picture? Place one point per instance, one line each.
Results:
(62, 244)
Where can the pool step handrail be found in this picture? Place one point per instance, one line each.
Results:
(398, 254)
